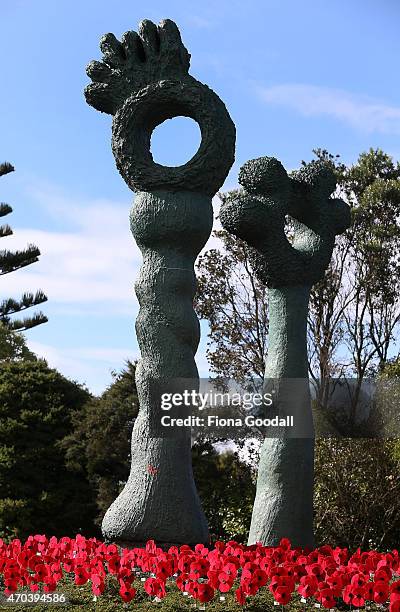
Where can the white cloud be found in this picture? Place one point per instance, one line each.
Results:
(96, 262)
(85, 364)
(361, 112)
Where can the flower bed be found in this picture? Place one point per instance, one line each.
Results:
(325, 576)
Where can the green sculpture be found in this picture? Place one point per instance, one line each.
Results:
(283, 505)
(142, 81)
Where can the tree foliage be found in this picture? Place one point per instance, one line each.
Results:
(13, 346)
(99, 445)
(234, 303)
(357, 493)
(226, 486)
(38, 494)
(355, 309)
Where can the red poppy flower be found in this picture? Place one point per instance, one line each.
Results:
(13, 575)
(127, 593)
(23, 558)
(295, 570)
(155, 587)
(81, 577)
(383, 572)
(315, 569)
(230, 569)
(336, 583)
(359, 580)
(368, 589)
(205, 592)
(354, 595)
(286, 581)
(181, 580)
(196, 570)
(395, 587)
(327, 599)
(265, 564)
(98, 585)
(50, 586)
(213, 578)
(192, 587)
(40, 573)
(56, 571)
(10, 588)
(259, 577)
(381, 592)
(302, 560)
(284, 544)
(249, 587)
(394, 603)
(185, 562)
(240, 596)
(114, 564)
(238, 562)
(308, 586)
(68, 565)
(225, 582)
(282, 595)
(151, 546)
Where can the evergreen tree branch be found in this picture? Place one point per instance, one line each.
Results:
(27, 323)
(11, 261)
(11, 306)
(5, 209)
(5, 168)
(5, 230)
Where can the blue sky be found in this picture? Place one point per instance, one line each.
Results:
(294, 76)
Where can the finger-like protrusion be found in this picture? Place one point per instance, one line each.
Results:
(171, 44)
(133, 46)
(112, 50)
(99, 72)
(250, 218)
(317, 175)
(264, 176)
(148, 32)
(101, 97)
(170, 36)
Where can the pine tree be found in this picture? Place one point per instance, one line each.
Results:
(10, 262)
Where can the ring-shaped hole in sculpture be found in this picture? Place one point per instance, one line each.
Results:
(175, 141)
(135, 122)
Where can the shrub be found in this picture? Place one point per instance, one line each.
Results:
(37, 491)
(357, 492)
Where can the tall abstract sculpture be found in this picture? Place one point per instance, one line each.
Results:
(283, 505)
(142, 81)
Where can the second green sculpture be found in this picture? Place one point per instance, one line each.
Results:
(142, 81)
(283, 507)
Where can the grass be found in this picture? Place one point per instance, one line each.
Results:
(81, 598)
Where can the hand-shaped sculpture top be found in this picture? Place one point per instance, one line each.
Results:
(142, 81)
(257, 215)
